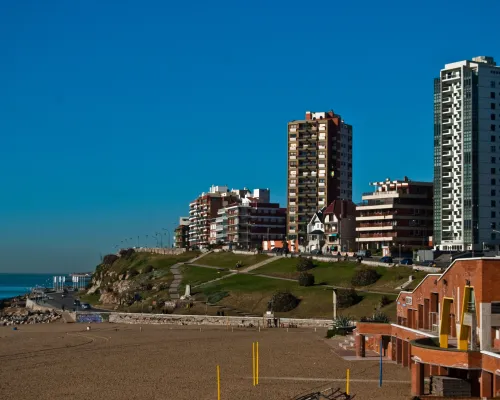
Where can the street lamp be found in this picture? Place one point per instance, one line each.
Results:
(168, 236)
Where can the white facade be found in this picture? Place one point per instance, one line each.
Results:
(467, 155)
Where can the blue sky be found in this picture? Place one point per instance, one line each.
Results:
(115, 115)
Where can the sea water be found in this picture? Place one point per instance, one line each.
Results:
(17, 284)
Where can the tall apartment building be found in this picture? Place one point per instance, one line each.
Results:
(182, 233)
(467, 155)
(319, 167)
(395, 213)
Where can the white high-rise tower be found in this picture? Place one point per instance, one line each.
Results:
(467, 155)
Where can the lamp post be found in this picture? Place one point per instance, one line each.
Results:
(168, 236)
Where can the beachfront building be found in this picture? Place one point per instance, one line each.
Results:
(397, 213)
(332, 229)
(212, 213)
(447, 328)
(253, 220)
(467, 155)
(319, 167)
(181, 233)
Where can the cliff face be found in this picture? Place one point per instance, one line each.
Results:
(132, 277)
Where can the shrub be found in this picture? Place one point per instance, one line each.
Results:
(147, 269)
(347, 298)
(282, 302)
(384, 301)
(365, 277)
(127, 253)
(306, 279)
(342, 321)
(109, 259)
(305, 264)
(131, 273)
(335, 332)
(377, 317)
(380, 317)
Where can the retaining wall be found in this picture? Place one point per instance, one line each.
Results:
(38, 307)
(174, 251)
(129, 318)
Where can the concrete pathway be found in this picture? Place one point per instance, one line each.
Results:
(173, 290)
(258, 265)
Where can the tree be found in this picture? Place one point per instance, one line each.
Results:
(305, 264)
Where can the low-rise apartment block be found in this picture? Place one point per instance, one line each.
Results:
(447, 328)
(252, 221)
(396, 213)
(224, 216)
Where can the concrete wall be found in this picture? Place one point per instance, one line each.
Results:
(174, 251)
(129, 318)
(38, 307)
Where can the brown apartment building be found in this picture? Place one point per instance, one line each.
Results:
(182, 233)
(203, 210)
(319, 167)
(397, 213)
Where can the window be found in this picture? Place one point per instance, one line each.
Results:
(493, 192)
(492, 95)
(493, 171)
(493, 214)
(493, 138)
(493, 181)
(493, 225)
(493, 149)
(493, 106)
(495, 307)
(492, 84)
(493, 117)
(493, 160)
(492, 127)
(493, 203)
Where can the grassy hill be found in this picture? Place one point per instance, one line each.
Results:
(149, 276)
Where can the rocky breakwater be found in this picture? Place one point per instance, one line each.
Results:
(27, 317)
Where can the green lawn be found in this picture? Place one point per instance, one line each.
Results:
(196, 275)
(229, 260)
(251, 294)
(340, 273)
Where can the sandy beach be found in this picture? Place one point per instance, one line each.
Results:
(112, 361)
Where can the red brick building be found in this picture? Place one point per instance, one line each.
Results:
(449, 325)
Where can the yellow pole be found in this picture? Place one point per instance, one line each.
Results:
(253, 362)
(218, 383)
(347, 382)
(257, 363)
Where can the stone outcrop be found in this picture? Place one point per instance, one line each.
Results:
(26, 317)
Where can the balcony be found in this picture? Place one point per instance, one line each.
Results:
(447, 110)
(450, 77)
(447, 100)
(447, 121)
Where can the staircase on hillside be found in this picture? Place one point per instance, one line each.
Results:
(349, 343)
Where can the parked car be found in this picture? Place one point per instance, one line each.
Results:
(406, 261)
(86, 306)
(364, 253)
(76, 302)
(277, 250)
(387, 260)
(316, 251)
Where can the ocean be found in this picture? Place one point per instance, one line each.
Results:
(16, 284)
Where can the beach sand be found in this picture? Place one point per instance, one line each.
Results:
(112, 361)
